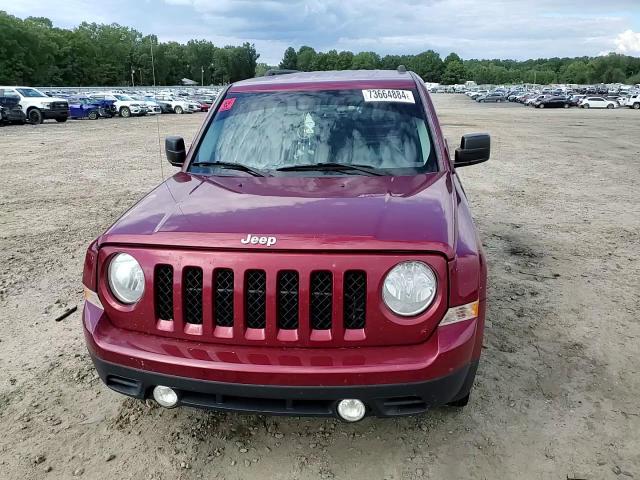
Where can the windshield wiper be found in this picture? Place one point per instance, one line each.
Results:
(329, 167)
(231, 166)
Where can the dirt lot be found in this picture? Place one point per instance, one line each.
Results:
(557, 392)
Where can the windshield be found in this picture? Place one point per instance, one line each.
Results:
(30, 92)
(124, 98)
(383, 129)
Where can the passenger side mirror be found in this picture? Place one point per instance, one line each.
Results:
(474, 148)
(175, 150)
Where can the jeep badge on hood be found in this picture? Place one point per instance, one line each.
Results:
(254, 240)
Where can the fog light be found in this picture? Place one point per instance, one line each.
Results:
(351, 410)
(165, 396)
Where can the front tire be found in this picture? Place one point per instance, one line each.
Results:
(35, 116)
(61, 119)
(178, 110)
(541, 105)
(125, 112)
(93, 115)
(609, 107)
(636, 106)
(566, 105)
(586, 105)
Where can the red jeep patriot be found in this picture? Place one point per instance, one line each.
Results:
(315, 255)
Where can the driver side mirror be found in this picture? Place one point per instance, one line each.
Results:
(175, 151)
(474, 148)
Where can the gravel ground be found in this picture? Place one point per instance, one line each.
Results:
(557, 392)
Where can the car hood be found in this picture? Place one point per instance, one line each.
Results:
(346, 212)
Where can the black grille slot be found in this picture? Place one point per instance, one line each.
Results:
(321, 302)
(163, 287)
(223, 301)
(255, 298)
(288, 283)
(355, 299)
(192, 295)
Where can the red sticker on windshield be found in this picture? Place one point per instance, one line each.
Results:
(227, 104)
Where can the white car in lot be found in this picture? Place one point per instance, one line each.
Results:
(36, 105)
(125, 105)
(597, 102)
(177, 105)
(152, 106)
(633, 102)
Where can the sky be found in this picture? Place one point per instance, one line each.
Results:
(516, 29)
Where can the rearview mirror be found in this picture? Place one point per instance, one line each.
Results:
(474, 148)
(176, 153)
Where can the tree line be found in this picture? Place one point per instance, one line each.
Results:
(612, 68)
(34, 52)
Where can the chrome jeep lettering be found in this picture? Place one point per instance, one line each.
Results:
(255, 240)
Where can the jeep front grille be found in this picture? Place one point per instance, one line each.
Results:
(276, 299)
(286, 296)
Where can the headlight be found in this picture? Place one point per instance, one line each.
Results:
(409, 288)
(126, 278)
(46, 105)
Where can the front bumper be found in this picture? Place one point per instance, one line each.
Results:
(48, 114)
(381, 400)
(398, 380)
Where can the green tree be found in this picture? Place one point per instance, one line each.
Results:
(290, 59)
(306, 58)
(366, 61)
(262, 68)
(345, 60)
(454, 71)
(428, 65)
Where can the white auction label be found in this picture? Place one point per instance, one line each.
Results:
(387, 95)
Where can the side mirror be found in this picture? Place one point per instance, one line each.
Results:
(474, 148)
(176, 153)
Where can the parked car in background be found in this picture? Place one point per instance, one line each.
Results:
(533, 99)
(633, 102)
(84, 107)
(170, 104)
(597, 102)
(153, 108)
(556, 101)
(11, 111)
(478, 93)
(205, 103)
(37, 106)
(574, 100)
(125, 105)
(493, 97)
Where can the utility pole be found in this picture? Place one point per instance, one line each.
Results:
(133, 70)
(202, 76)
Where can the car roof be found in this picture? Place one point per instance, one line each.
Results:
(329, 79)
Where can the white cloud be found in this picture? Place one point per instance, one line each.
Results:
(628, 42)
